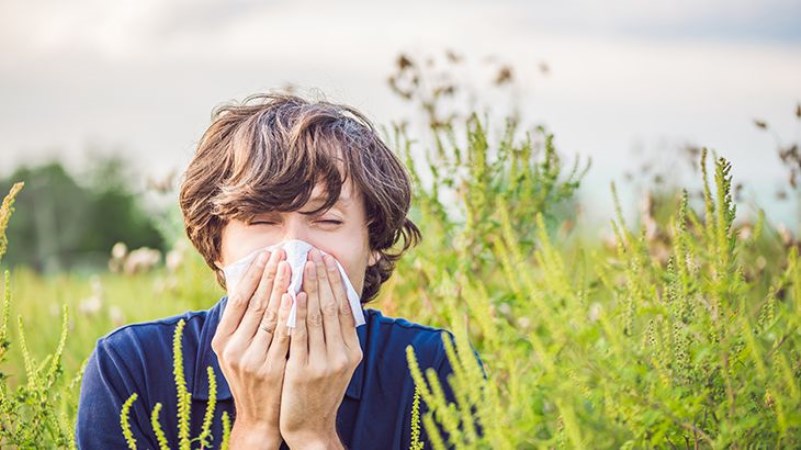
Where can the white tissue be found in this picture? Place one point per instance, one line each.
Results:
(296, 251)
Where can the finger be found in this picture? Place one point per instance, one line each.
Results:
(280, 343)
(258, 304)
(269, 321)
(299, 345)
(314, 318)
(280, 287)
(347, 322)
(238, 302)
(328, 305)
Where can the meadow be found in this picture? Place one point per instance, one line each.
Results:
(679, 331)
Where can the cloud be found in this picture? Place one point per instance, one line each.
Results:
(733, 20)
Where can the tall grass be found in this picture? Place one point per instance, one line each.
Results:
(32, 414)
(611, 347)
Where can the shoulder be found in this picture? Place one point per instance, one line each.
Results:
(134, 358)
(137, 354)
(427, 342)
(393, 335)
(152, 334)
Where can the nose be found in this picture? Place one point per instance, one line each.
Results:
(295, 227)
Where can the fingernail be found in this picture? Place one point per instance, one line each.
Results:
(311, 272)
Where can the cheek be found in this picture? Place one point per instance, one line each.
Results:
(238, 240)
(354, 261)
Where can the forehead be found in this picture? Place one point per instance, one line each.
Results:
(347, 193)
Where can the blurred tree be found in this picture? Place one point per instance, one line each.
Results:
(61, 224)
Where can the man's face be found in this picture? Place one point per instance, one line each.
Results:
(341, 231)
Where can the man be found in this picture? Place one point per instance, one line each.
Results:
(276, 169)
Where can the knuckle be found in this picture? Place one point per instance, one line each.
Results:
(283, 337)
(340, 364)
(228, 354)
(269, 371)
(231, 359)
(249, 367)
(238, 300)
(270, 317)
(356, 356)
(314, 319)
(216, 344)
(331, 309)
(317, 372)
(269, 274)
(299, 333)
(310, 287)
(257, 308)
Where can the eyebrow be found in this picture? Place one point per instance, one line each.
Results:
(341, 202)
(321, 198)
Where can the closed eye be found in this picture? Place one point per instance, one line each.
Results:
(335, 222)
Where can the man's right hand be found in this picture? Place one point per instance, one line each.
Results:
(251, 344)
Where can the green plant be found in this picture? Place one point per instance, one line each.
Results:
(183, 400)
(35, 413)
(618, 349)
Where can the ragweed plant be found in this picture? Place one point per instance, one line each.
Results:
(615, 348)
(36, 412)
(183, 399)
(415, 427)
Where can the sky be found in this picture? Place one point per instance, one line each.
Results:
(628, 81)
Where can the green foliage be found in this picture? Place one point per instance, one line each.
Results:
(226, 422)
(36, 413)
(63, 224)
(125, 421)
(183, 400)
(615, 348)
(415, 438)
(6, 209)
(205, 432)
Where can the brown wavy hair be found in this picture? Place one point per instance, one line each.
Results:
(268, 152)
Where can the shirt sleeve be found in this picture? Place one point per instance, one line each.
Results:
(106, 385)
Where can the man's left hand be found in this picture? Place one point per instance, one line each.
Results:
(323, 354)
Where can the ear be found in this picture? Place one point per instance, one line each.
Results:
(374, 257)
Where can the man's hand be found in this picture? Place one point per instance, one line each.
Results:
(324, 353)
(251, 344)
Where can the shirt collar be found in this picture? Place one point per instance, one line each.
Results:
(206, 357)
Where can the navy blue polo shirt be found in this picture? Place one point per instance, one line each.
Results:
(374, 414)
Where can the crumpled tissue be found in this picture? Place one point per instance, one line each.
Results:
(296, 251)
